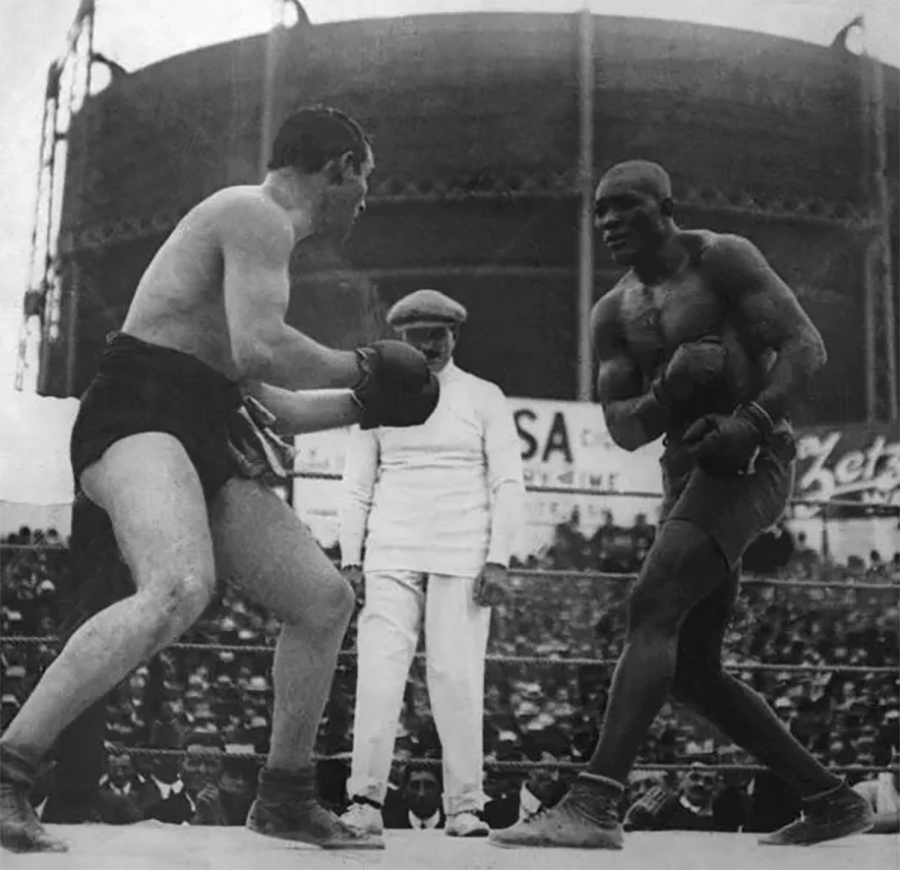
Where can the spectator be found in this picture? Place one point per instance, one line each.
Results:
(237, 788)
(569, 544)
(437, 507)
(687, 808)
(194, 797)
(642, 537)
(419, 806)
(784, 709)
(124, 793)
(612, 546)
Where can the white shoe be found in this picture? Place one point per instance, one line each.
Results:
(364, 817)
(466, 825)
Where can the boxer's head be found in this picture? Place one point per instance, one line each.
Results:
(633, 209)
(331, 159)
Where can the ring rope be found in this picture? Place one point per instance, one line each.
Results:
(544, 661)
(490, 763)
(598, 576)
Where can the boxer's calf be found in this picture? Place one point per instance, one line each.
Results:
(682, 568)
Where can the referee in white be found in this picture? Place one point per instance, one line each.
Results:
(437, 508)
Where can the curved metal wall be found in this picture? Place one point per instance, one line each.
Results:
(475, 124)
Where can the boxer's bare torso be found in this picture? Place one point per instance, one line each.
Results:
(180, 301)
(653, 320)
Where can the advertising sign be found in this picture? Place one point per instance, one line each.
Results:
(565, 448)
(858, 463)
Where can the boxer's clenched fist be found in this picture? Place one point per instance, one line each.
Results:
(396, 387)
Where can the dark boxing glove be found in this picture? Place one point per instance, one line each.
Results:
(396, 387)
(726, 446)
(693, 366)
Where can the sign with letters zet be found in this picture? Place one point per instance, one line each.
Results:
(858, 463)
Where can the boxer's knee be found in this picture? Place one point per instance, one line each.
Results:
(695, 681)
(326, 608)
(336, 603)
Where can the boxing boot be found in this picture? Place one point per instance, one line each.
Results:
(586, 818)
(20, 830)
(287, 807)
(838, 812)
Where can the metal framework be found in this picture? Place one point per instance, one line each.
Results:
(880, 316)
(68, 84)
(46, 313)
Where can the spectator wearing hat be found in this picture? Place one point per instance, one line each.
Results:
(435, 508)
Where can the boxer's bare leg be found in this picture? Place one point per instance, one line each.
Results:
(263, 548)
(150, 490)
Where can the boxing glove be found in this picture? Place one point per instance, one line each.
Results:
(726, 446)
(396, 387)
(694, 365)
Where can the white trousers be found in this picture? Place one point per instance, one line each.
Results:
(456, 634)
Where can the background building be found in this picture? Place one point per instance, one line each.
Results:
(476, 121)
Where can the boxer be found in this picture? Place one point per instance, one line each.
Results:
(171, 442)
(702, 344)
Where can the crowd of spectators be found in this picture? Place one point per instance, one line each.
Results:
(540, 705)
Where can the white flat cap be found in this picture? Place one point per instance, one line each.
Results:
(426, 308)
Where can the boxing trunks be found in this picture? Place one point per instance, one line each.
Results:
(142, 387)
(735, 510)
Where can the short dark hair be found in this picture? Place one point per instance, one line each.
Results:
(310, 137)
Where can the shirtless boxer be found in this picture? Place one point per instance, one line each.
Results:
(151, 446)
(703, 344)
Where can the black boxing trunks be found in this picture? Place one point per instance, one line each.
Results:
(733, 511)
(143, 387)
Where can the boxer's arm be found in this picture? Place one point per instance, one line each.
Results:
(634, 418)
(768, 314)
(503, 456)
(256, 244)
(306, 410)
(360, 473)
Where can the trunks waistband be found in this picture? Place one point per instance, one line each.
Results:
(126, 356)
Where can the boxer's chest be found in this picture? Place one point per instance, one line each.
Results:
(657, 318)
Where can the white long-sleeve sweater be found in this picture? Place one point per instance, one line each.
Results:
(443, 498)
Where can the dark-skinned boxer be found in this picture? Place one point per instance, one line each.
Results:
(702, 344)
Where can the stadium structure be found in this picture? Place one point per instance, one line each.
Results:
(490, 131)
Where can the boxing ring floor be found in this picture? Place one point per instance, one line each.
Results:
(155, 846)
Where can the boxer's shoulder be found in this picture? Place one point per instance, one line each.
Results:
(244, 215)
(608, 308)
(723, 254)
